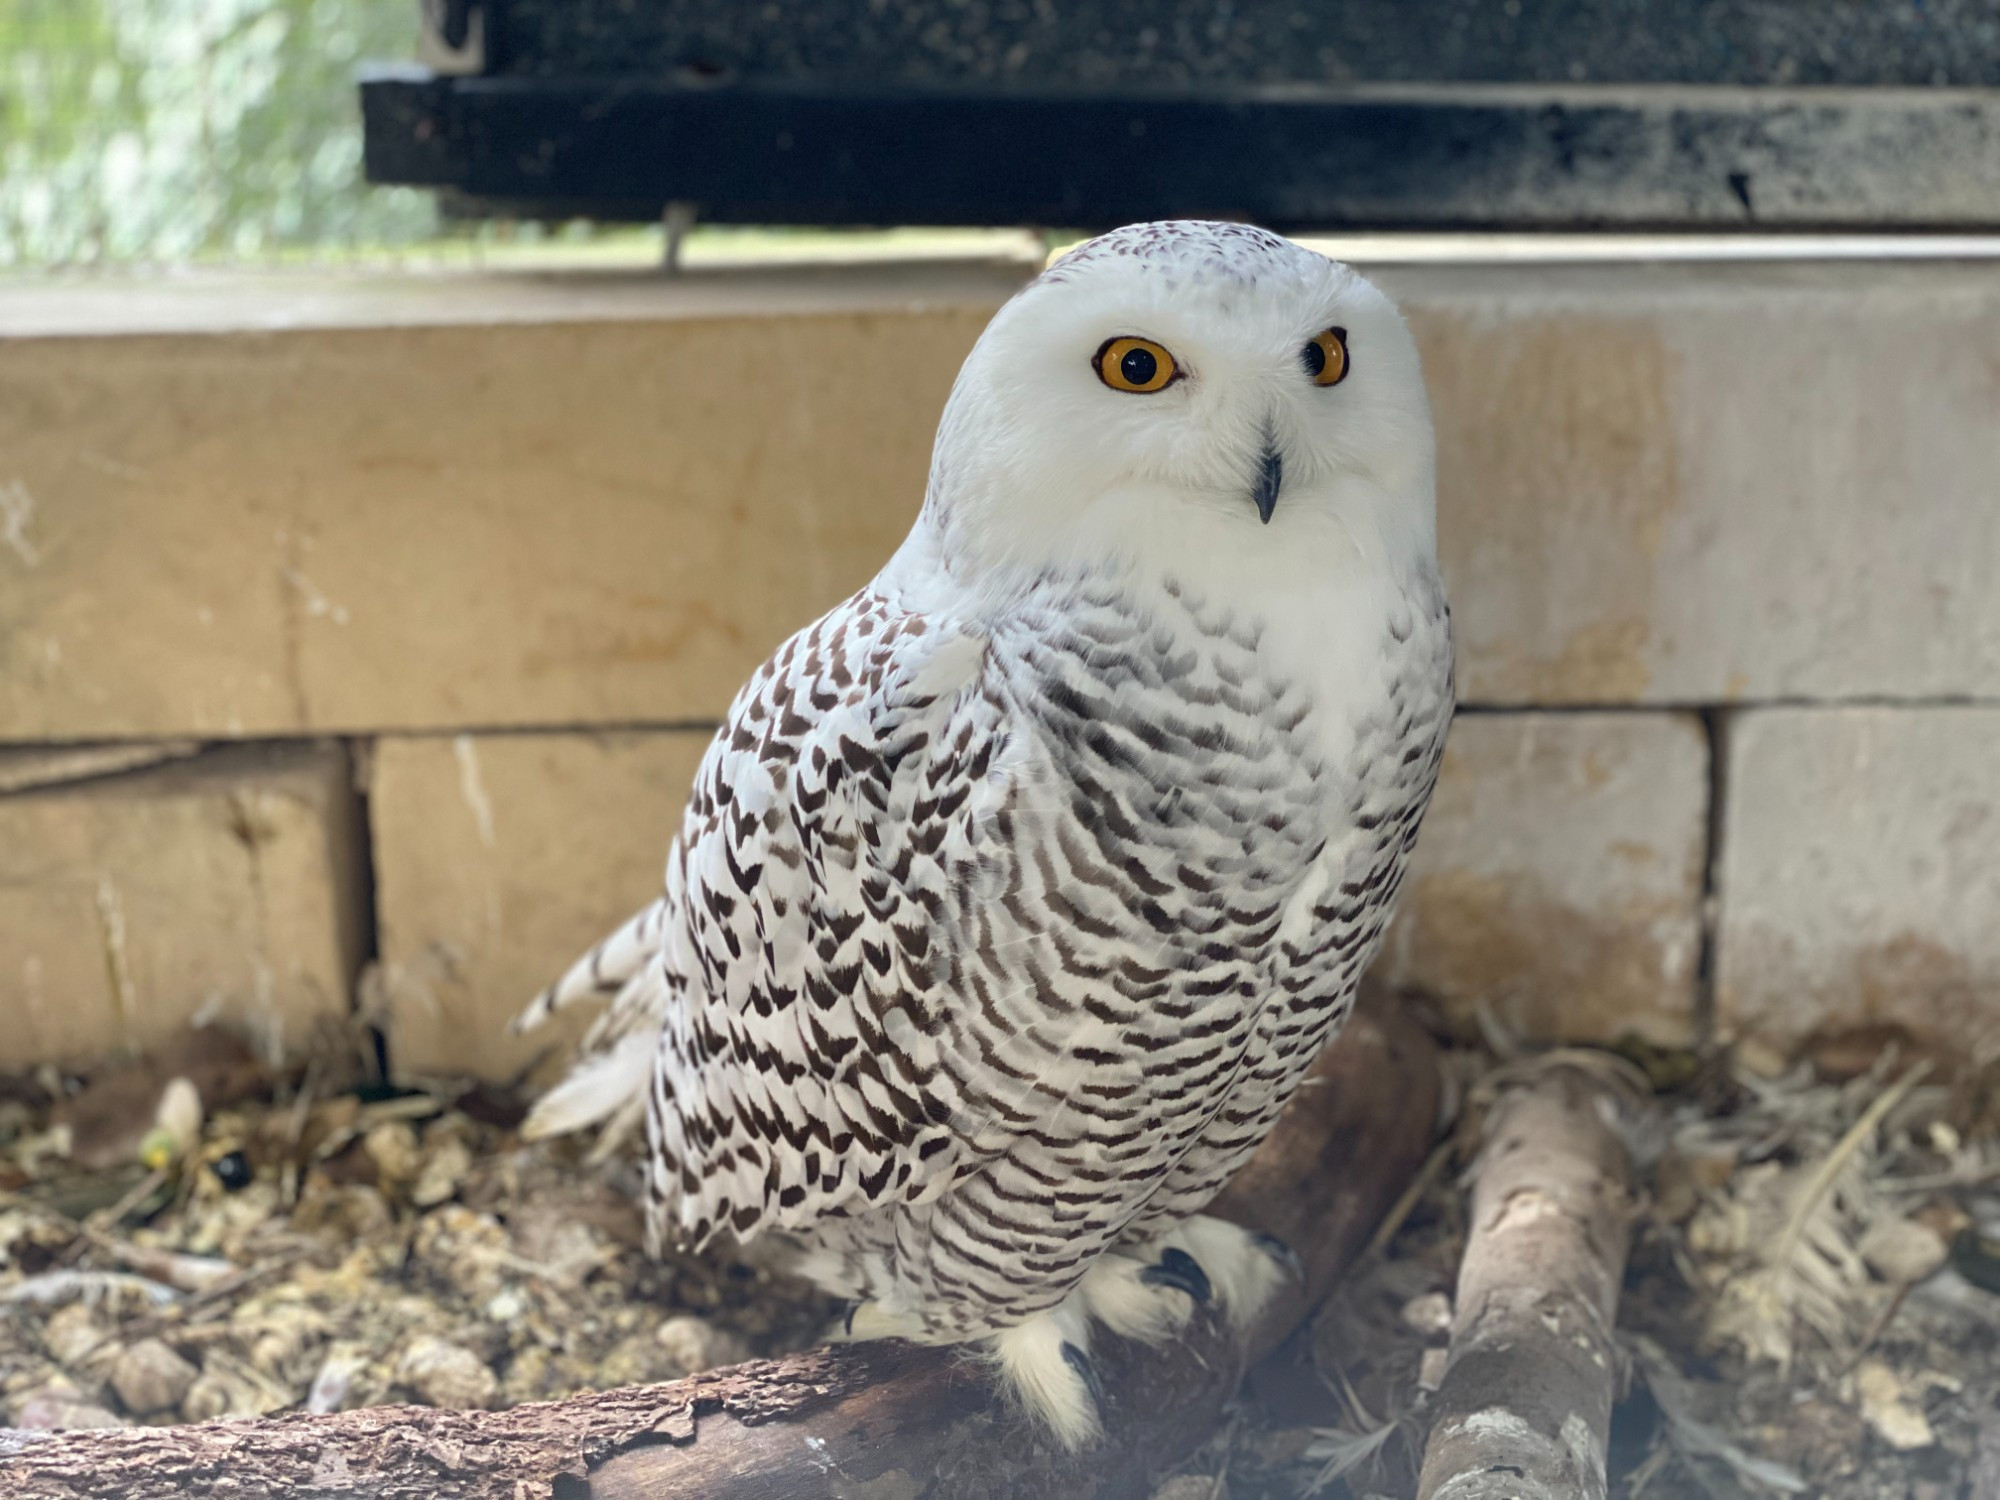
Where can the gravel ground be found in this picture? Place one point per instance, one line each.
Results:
(1812, 1304)
(327, 1251)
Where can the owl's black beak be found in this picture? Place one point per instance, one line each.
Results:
(1270, 476)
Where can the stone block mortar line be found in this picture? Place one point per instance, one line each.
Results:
(551, 727)
(1474, 706)
(1715, 724)
(168, 746)
(361, 766)
(172, 746)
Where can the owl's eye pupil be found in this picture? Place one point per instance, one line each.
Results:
(1138, 366)
(1314, 358)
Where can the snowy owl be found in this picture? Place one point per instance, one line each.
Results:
(1017, 893)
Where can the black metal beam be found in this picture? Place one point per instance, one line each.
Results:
(1119, 44)
(1524, 157)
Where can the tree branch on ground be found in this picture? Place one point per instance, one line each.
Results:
(1524, 1411)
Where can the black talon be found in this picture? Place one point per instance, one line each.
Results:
(1176, 1268)
(852, 1309)
(1078, 1361)
(1282, 1253)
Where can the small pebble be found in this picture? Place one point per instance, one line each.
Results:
(1762, 1058)
(233, 1172)
(563, 1245)
(441, 1174)
(150, 1377)
(214, 1396)
(447, 1374)
(354, 1214)
(632, 1361)
(693, 1346)
(60, 1407)
(72, 1332)
(282, 1349)
(1886, 1408)
(392, 1146)
(1902, 1251)
(334, 1380)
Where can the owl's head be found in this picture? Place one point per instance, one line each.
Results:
(1209, 398)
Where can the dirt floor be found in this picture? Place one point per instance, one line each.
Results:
(1812, 1305)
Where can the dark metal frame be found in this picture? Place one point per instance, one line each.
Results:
(1294, 157)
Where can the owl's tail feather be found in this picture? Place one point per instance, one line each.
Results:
(603, 972)
(608, 1084)
(607, 1081)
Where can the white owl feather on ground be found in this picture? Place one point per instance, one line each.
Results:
(1017, 893)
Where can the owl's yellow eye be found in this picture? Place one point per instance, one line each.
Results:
(1136, 365)
(1325, 357)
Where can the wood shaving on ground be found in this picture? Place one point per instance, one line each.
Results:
(1812, 1304)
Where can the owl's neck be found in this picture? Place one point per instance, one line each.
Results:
(1323, 556)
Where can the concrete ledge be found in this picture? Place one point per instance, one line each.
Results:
(499, 860)
(227, 887)
(1860, 876)
(1558, 878)
(100, 306)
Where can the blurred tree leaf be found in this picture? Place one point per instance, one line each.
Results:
(165, 130)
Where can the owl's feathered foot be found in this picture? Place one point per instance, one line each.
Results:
(1177, 1269)
(1044, 1363)
(1041, 1364)
(1148, 1292)
(1143, 1291)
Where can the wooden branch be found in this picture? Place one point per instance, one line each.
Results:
(1525, 1408)
(879, 1419)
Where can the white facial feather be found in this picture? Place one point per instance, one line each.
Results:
(1039, 463)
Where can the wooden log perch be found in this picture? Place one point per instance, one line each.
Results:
(884, 1419)
(1524, 1410)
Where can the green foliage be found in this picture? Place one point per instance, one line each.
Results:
(168, 130)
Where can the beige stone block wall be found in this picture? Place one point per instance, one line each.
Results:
(599, 502)
(499, 860)
(1558, 877)
(409, 508)
(1704, 484)
(546, 522)
(1860, 875)
(228, 887)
